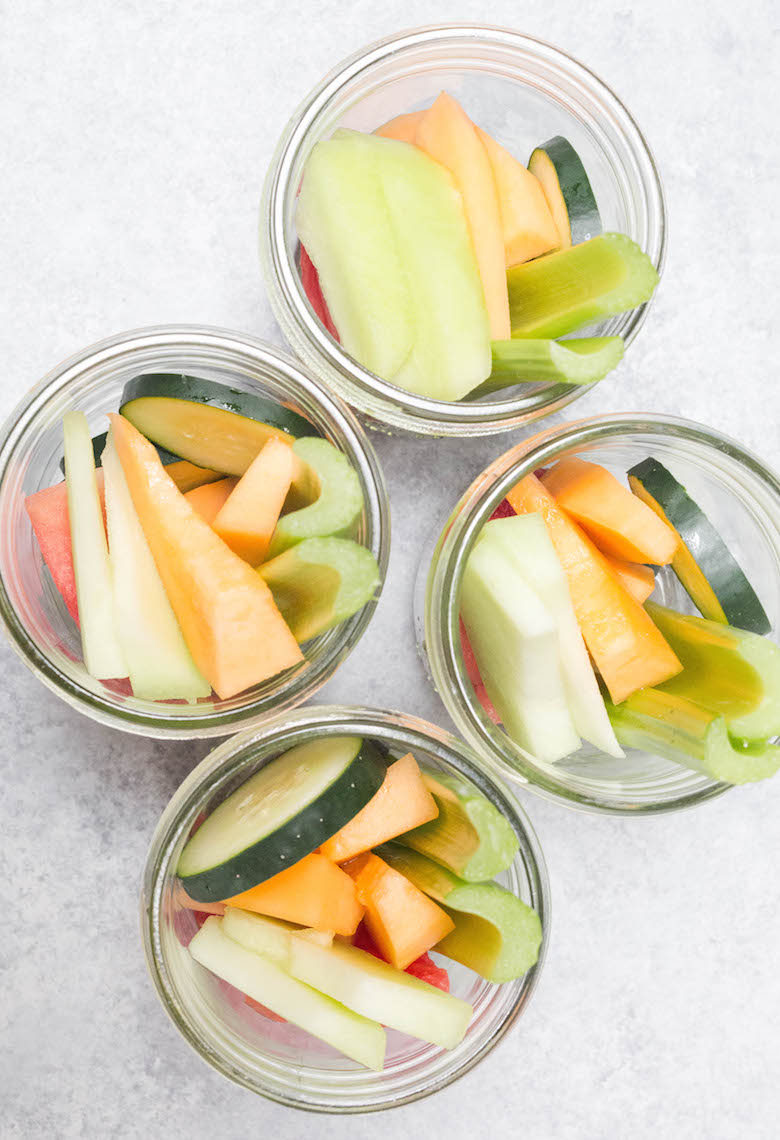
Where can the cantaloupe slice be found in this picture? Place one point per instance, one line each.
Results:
(313, 892)
(448, 135)
(627, 648)
(402, 802)
(618, 522)
(403, 128)
(639, 580)
(208, 500)
(247, 520)
(403, 922)
(227, 614)
(526, 220)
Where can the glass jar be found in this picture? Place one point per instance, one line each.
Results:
(32, 611)
(522, 91)
(739, 495)
(278, 1060)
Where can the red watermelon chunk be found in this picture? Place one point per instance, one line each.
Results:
(48, 511)
(311, 286)
(263, 1009)
(504, 510)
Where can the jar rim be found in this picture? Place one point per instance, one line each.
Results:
(218, 769)
(381, 400)
(225, 347)
(440, 576)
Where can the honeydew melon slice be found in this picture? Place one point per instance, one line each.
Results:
(526, 540)
(102, 649)
(265, 982)
(158, 661)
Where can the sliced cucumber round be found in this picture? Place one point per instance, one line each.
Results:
(709, 572)
(279, 815)
(208, 423)
(567, 189)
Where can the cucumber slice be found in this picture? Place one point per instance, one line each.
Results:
(521, 361)
(262, 980)
(101, 647)
(496, 934)
(333, 483)
(469, 836)
(560, 292)
(567, 189)
(320, 583)
(680, 730)
(728, 671)
(526, 540)
(712, 576)
(280, 814)
(207, 423)
(343, 222)
(185, 475)
(517, 650)
(379, 991)
(158, 661)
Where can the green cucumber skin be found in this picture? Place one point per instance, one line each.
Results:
(578, 196)
(176, 386)
(725, 576)
(319, 820)
(99, 446)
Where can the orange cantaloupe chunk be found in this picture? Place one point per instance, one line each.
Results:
(226, 612)
(639, 580)
(618, 522)
(402, 802)
(403, 922)
(248, 518)
(313, 892)
(628, 650)
(403, 128)
(181, 898)
(209, 499)
(447, 134)
(527, 223)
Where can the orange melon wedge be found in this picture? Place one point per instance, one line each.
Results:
(526, 220)
(227, 614)
(208, 500)
(249, 516)
(403, 128)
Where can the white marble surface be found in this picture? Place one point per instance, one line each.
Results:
(134, 138)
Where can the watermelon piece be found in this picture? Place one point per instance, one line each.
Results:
(310, 279)
(503, 510)
(263, 1009)
(48, 513)
(423, 967)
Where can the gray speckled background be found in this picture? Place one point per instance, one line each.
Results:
(134, 138)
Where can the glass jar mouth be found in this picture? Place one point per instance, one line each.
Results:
(440, 575)
(562, 78)
(83, 377)
(311, 1087)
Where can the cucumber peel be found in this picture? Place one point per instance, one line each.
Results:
(568, 191)
(496, 934)
(730, 672)
(706, 568)
(682, 731)
(469, 836)
(279, 815)
(560, 292)
(321, 582)
(578, 362)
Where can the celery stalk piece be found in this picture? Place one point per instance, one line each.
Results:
(469, 836)
(563, 291)
(680, 730)
(496, 933)
(264, 981)
(332, 482)
(103, 656)
(158, 661)
(728, 671)
(523, 361)
(321, 582)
